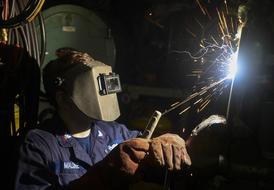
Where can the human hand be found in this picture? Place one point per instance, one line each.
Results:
(127, 156)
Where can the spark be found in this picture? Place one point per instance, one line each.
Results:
(225, 23)
(195, 95)
(207, 13)
(174, 104)
(226, 8)
(232, 24)
(198, 101)
(201, 7)
(202, 93)
(199, 23)
(214, 41)
(203, 106)
(184, 110)
(217, 57)
(191, 33)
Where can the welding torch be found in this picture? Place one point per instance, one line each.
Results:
(147, 134)
(153, 121)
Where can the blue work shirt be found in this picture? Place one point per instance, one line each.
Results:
(51, 159)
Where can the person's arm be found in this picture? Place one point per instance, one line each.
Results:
(121, 166)
(128, 161)
(117, 170)
(33, 170)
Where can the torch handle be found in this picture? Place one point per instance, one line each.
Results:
(153, 121)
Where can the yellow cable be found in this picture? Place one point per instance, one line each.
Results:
(36, 11)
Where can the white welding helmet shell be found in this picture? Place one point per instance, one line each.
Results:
(93, 87)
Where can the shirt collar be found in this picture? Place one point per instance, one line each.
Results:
(63, 136)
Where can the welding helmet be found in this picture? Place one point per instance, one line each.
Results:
(90, 84)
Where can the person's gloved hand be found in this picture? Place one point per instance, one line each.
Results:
(169, 151)
(117, 169)
(129, 161)
(125, 158)
(166, 152)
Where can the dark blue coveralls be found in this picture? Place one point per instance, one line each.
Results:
(50, 159)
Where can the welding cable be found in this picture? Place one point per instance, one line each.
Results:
(22, 34)
(5, 11)
(21, 42)
(28, 35)
(11, 37)
(32, 40)
(43, 38)
(26, 16)
(36, 11)
(17, 41)
(11, 6)
(19, 33)
(14, 37)
(36, 7)
(37, 45)
(31, 36)
(13, 31)
(25, 28)
(24, 38)
(27, 32)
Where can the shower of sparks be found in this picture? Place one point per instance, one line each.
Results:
(218, 60)
(197, 95)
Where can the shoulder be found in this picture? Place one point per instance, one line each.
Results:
(40, 138)
(111, 126)
(39, 133)
(49, 131)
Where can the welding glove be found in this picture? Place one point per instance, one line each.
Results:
(169, 150)
(118, 169)
(132, 161)
(166, 153)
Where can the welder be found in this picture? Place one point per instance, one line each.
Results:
(82, 146)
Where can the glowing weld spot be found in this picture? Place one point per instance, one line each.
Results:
(232, 66)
